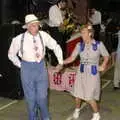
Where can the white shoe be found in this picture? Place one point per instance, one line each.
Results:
(96, 116)
(76, 113)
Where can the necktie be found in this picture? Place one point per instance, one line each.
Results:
(38, 55)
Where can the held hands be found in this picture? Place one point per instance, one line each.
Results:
(101, 68)
(59, 68)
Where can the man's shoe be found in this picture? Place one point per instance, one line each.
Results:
(116, 88)
(96, 116)
(76, 113)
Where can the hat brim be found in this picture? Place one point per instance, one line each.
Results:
(25, 26)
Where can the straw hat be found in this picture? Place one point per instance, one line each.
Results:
(30, 18)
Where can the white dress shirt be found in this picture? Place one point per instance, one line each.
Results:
(28, 48)
(55, 16)
(96, 18)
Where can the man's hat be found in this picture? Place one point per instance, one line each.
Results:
(30, 18)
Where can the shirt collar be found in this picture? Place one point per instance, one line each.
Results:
(29, 34)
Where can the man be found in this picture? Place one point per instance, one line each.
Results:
(95, 19)
(116, 80)
(56, 22)
(30, 46)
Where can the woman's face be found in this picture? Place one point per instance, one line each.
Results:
(85, 34)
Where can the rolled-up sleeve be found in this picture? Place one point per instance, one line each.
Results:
(103, 50)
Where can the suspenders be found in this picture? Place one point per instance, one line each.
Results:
(22, 41)
(41, 39)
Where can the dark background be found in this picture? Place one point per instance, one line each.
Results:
(17, 9)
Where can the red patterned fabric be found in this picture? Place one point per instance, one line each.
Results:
(61, 81)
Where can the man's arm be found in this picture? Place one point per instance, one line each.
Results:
(52, 44)
(12, 52)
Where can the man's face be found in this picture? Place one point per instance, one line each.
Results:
(93, 11)
(63, 5)
(33, 28)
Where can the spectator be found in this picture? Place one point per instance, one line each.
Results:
(116, 80)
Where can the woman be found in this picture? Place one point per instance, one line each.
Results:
(87, 83)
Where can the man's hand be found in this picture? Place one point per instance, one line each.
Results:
(59, 68)
(101, 68)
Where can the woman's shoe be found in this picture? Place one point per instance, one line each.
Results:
(96, 116)
(76, 113)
